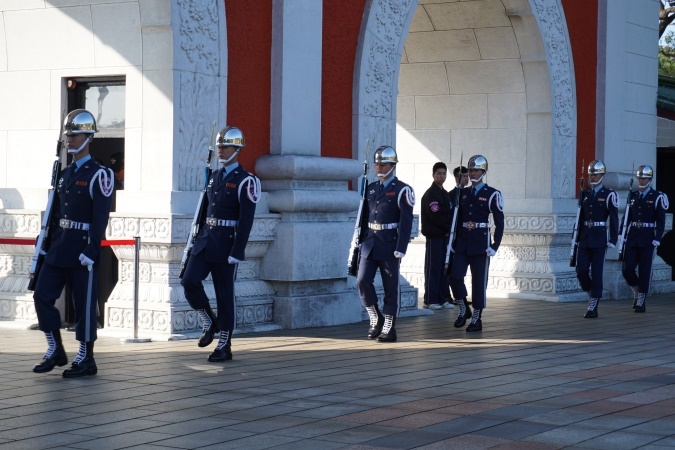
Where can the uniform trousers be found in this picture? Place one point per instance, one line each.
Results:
(593, 259)
(389, 269)
(50, 283)
(435, 281)
(224, 275)
(642, 258)
(479, 275)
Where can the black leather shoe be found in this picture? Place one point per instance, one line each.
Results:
(224, 354)
(640, 309)
(375, 331)
(207, 336)
(473, 327)
(85, 367)
(591, 314)
(388, 337)
(58, 358)
(461, 320)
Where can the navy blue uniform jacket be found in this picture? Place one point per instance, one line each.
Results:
(229, 199)
(436, 212)
(602, 208)
(393, 205)
(477, 209)
(652, 208)
(79, 198)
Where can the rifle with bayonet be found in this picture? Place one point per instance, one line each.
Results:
(202, 206)
(355, 250)
(623, 234)
(575, 234)
(449, 255)
(43, 240)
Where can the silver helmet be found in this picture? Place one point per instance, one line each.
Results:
(645, 172)
(230, 136)
(478, 162)
(79, 121)
(386, 154)
(596, 167)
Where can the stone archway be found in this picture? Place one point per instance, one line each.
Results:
(540, 202)
(543, 53)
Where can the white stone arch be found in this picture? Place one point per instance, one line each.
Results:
(541, 32)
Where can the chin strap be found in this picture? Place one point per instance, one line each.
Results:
(75, 151)
(225, 161)
(385, 175)
(478, 179)
(596, 182)
(642, 188)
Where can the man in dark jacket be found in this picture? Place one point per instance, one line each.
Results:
(386, 225)
(219, 248)
(599, 211)
(474, 245)
(81, 211)
(461, 174)
(436, 218)
(646, 222)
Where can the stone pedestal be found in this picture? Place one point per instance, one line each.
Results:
(16, 301)
(307, 262)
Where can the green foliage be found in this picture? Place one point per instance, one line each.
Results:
(666, 65)
(667, 55)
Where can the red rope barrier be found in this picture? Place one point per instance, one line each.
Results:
(104, 243)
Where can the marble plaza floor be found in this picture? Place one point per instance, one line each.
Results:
(538, 377)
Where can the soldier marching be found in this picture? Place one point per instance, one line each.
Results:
(598, 213)
(232, 194)
(646, 222)
(386, 226)
(82, 206)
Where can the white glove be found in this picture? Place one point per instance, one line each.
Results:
(573, 242)
(399, 255)
(491, 251)
(85, 261)
(42, 252)
(656, 243)
(231, 260)
(610, 245)
(452, 250)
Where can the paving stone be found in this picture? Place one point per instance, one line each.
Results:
(556, 383)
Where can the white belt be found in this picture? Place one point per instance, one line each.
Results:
(643, 224)
(382, 226)
(472, 225)
(220, 222)
(590, 224)
(72, 225)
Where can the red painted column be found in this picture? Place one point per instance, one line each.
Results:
(249, 46)
(341, 26)
(582, 25)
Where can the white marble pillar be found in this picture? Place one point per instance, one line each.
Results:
(307, 261)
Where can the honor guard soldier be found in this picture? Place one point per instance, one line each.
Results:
(82, 206)
(599, 210)
(461, 175)
(474, 246)
(232, 194)
(385, 233)
(646, 222)
(436, 218)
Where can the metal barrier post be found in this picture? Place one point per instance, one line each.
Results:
(137, 264)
